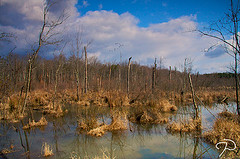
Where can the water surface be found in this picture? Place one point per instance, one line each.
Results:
(141, 141)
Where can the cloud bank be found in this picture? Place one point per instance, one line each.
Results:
(172, 40)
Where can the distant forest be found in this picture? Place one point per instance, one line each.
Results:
(69, 73)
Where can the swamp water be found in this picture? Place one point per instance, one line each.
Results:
(138, 141)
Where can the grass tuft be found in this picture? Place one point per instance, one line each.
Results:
(46, 150)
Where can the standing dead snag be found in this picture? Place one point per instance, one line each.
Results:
(170, 79)
(60, 64)
(193, 97)
(78, 43)
(109, 75)
(154, 75)
(85, 50)
(128, 74)
(46, 37)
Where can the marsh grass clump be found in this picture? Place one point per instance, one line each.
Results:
(46, 150)
(192, 125)
(39, 98)
(98, 131)
(145, 118)
(41, 122)
(156, 111)
(165, 106)
(119, 122)
(55, 110)
(148, 116)
(226, 126)
(88, 124)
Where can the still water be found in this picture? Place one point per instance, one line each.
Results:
(141, 141)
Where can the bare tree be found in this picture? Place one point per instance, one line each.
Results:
(86, 77)
(4, 36)
(46, 37)
(154, 75)
(60, 64)
(78, 44)
(222, 30)
(128, 73)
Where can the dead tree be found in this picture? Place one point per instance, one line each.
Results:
(60, 64)
(77, 43)
(109, 75)
(86, 72)
(46, 37)
(154, 76)
(170, 74)
(128, 74)
(222, 30)
(193, 97)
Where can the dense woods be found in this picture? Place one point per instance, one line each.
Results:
(61, 69)
(101, 76)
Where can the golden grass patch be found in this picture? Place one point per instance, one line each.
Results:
(46, 150)
(41, 122)
(186, 126)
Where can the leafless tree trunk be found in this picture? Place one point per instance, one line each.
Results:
(56, 83)
(119, 76)
(193, 97)
(78, 43)
(236, 81)
(27, 86)
(154, 76)
(170, 74)
(224, 28)
(45, 37)
(128, 74)
(109, 76)
(86, 72)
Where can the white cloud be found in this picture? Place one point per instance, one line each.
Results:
(170, 40)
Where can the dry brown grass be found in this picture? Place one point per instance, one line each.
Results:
(119, 122)
(186, 126)
(149, 116)
(41, 122)
(165, 106)
(88, 124)
(99, 131)
(46, 150)
(104, 98)
(39, 98)
(57, 111)
(226, 126)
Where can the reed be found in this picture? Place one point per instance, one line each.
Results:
(46, 150)
(41, 122)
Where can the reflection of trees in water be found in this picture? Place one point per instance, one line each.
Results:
(61, 133)
(192, 146)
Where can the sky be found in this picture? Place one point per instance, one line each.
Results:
(141, 29)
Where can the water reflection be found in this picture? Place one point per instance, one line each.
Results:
(139, 141)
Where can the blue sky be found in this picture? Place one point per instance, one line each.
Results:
(158, 11)
(147, 29)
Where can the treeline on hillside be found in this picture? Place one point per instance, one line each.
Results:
(68, 72)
